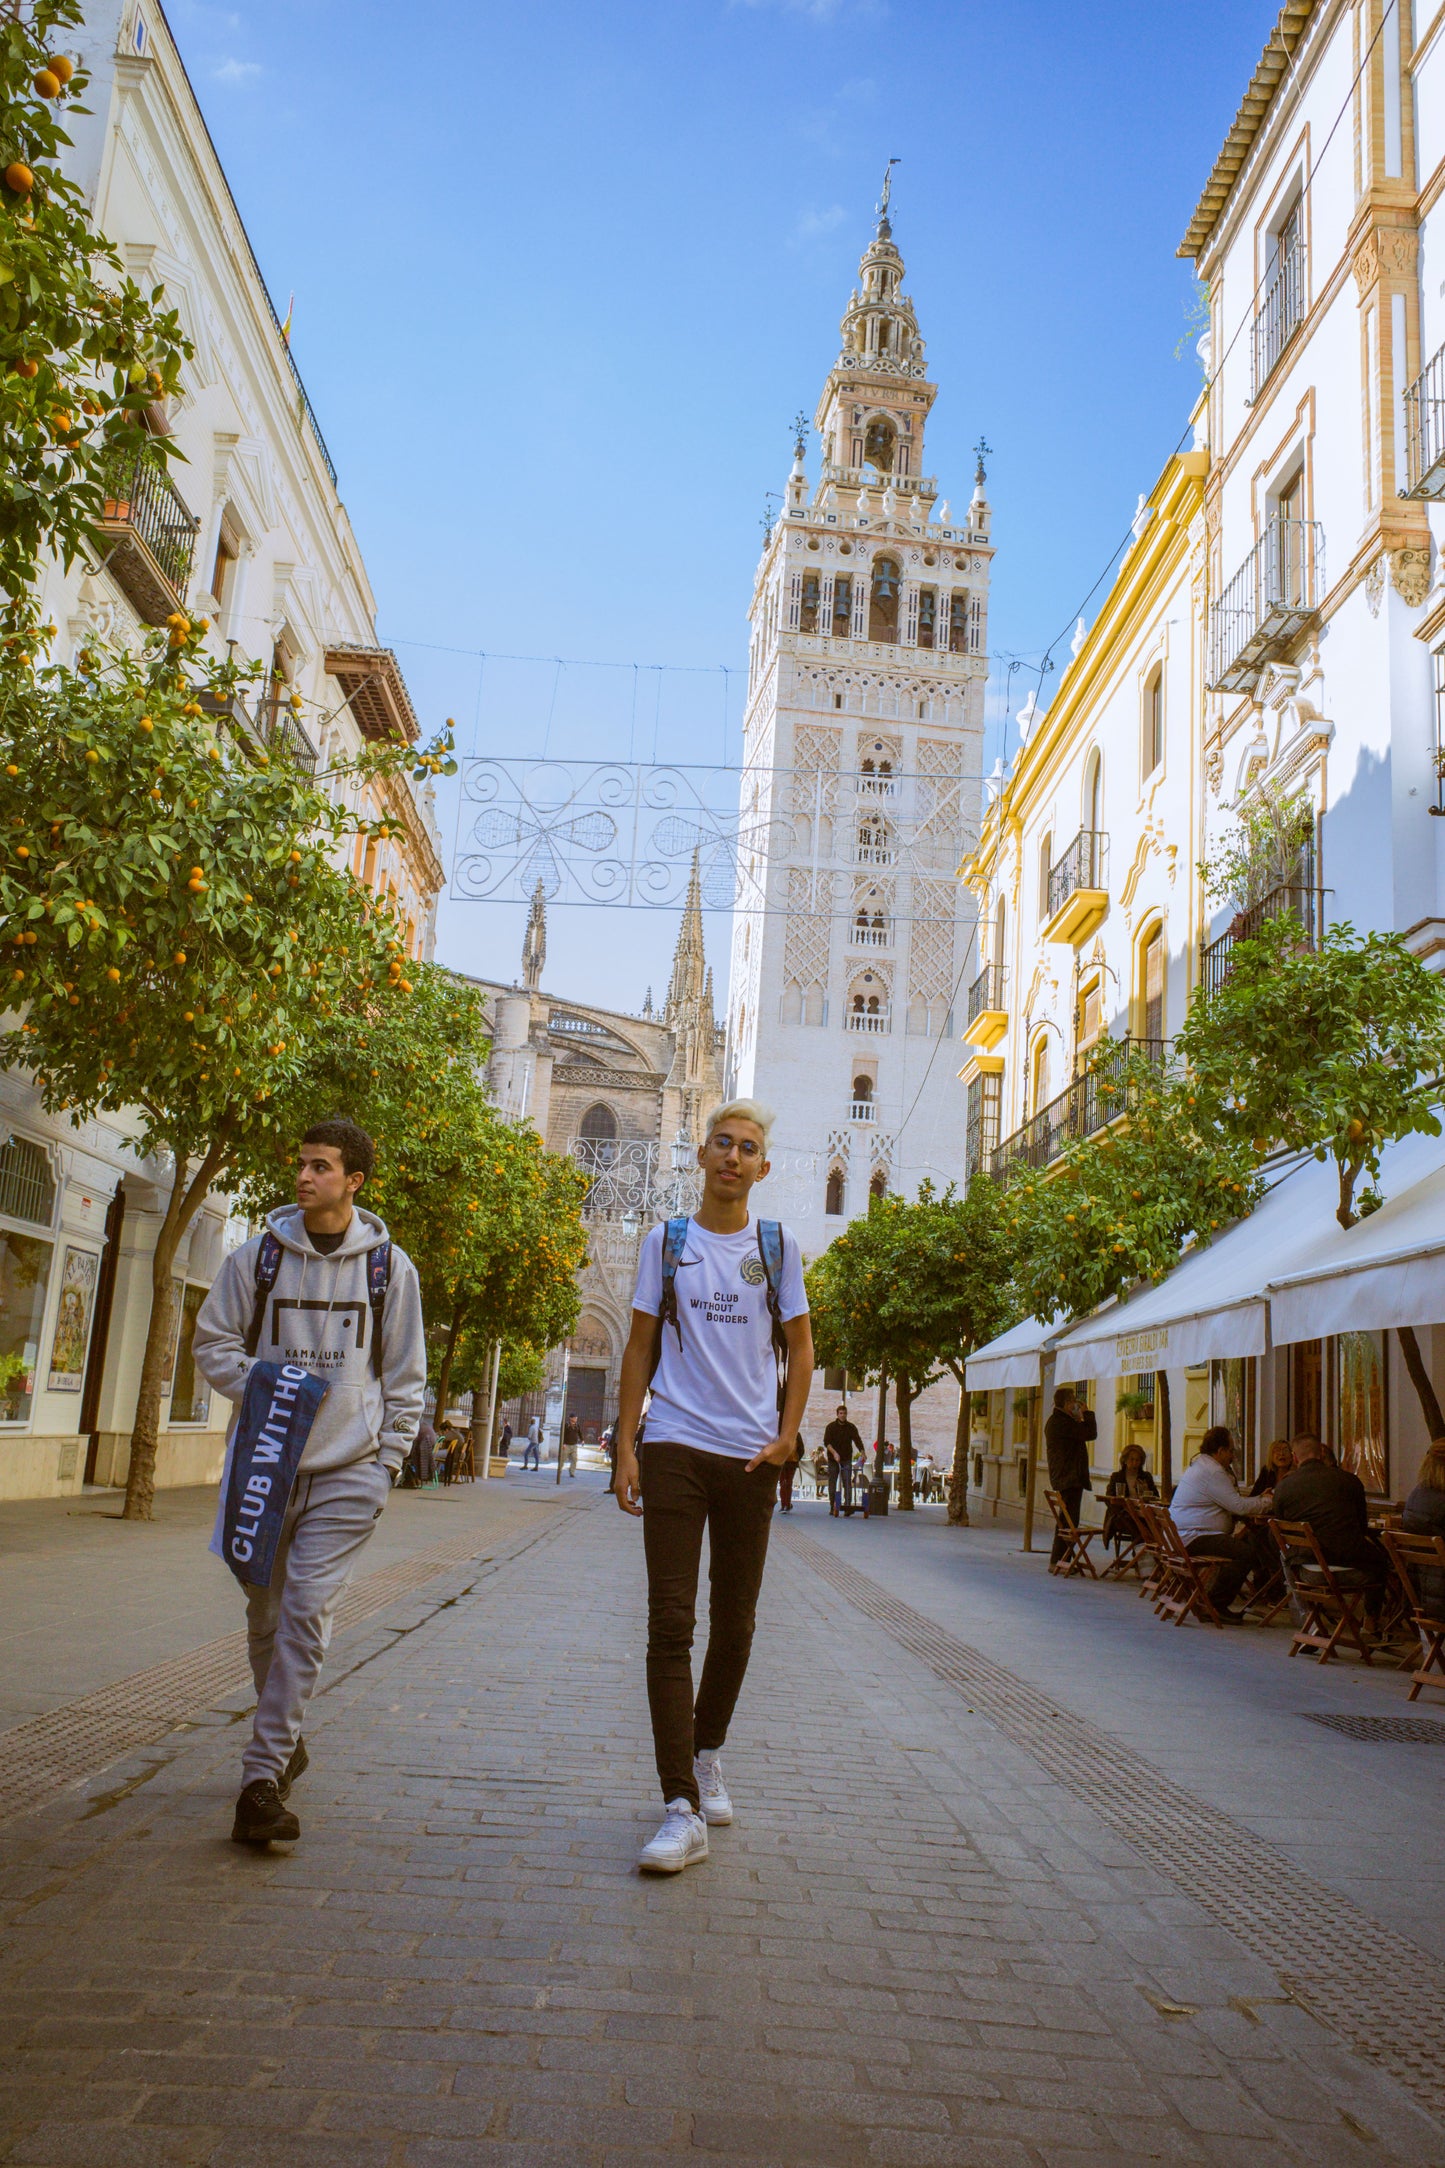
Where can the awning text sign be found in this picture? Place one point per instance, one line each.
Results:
(1154, 1340)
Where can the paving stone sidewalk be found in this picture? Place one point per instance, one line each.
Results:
(917, 1946)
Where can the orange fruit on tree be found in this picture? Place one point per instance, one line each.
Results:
(18, 178)
(60, 65)
(47, 83)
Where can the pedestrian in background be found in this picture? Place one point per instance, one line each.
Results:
(1067, 1436)
(840, 1442)
(567, 1446)
(533, 1449)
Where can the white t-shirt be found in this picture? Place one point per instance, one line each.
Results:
(719, 1390)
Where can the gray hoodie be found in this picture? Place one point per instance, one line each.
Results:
(318, 1315)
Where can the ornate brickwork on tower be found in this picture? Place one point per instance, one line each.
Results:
(861, 785)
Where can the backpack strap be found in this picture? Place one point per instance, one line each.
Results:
(770, 1249)
(378, 1279)
(674, 1243)
(268, 1264)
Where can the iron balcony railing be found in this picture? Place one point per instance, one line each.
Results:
(1302, 899)
(1090, 1103)
(1425, 431)
(986, 991)
(279, 731)
(980, 1145)
(143, 505)
(1280, 314)
(1266, 605)
(1081, 866)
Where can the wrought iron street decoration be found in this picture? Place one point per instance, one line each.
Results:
(625, 833)
(635, 1181)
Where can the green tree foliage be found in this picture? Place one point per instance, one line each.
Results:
(176, 926)
(911, 1290)
(1336, 1049)
(83, 351)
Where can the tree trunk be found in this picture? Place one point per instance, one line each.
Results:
(1345, 1211)
(1420, 1379)
(958, 1473)
(488, 1433)
(1166, 1436)
(905, 1396)
(444, 1375)
(181, 1207)
(882, 1438)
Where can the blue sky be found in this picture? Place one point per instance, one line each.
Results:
(564, 272)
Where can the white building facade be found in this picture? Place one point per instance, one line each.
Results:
(247, 529)
(1278, 629)
(860, 784)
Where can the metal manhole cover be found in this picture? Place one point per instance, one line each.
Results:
(1418, 1730)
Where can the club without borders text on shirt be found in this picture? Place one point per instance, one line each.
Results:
(718, 1391)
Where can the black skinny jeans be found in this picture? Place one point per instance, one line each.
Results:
(683, 1492)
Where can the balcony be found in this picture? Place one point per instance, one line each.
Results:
(1267, 605)
(1078, 899)
(987, 1018)
(863, 1110)
(1083, 1108)
(1302, 899)
(149, 536)
(1281, 312)
(1425, 431)
(870, 937)
(874, 854)
(878, 1020)
(877, 786)
(280, 732)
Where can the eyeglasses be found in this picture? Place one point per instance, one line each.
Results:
(724, 1143)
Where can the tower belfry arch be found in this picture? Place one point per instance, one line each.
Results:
(861, 777)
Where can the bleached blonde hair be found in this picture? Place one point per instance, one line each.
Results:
(742, 1110)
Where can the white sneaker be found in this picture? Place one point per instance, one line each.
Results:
(717, 1808)
(681, 1840)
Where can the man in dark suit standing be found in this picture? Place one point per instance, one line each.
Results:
(1067, 1435)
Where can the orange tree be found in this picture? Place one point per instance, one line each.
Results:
(82, 350)
(1114, 1212)
(911, 1290)
(1335, 1048)
(176, 929)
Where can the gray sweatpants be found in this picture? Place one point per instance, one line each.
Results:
(288, 1625)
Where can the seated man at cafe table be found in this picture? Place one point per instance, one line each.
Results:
(1333, 1502)
(1205, 1506)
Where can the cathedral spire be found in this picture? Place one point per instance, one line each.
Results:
(689, 962)
(534, 941)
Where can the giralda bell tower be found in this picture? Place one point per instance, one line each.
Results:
(861, 786)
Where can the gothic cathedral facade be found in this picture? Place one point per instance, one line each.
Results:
(860, 789)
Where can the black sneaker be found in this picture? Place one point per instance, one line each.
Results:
(261, 1817)
(298, 1765)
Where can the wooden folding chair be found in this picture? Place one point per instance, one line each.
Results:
(1331, 1597)
(1411, 1556)
(1076, 1540)
(1134, 1551)
(1184, 1581)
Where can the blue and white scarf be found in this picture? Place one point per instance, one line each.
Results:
(277, 1412)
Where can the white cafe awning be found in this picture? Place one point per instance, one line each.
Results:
(1273, 1277)
(1389, 1270)
(1014, 1358)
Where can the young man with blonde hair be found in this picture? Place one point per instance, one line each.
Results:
(720, 1331)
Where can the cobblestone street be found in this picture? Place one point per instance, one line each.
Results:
(1018, 1878)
